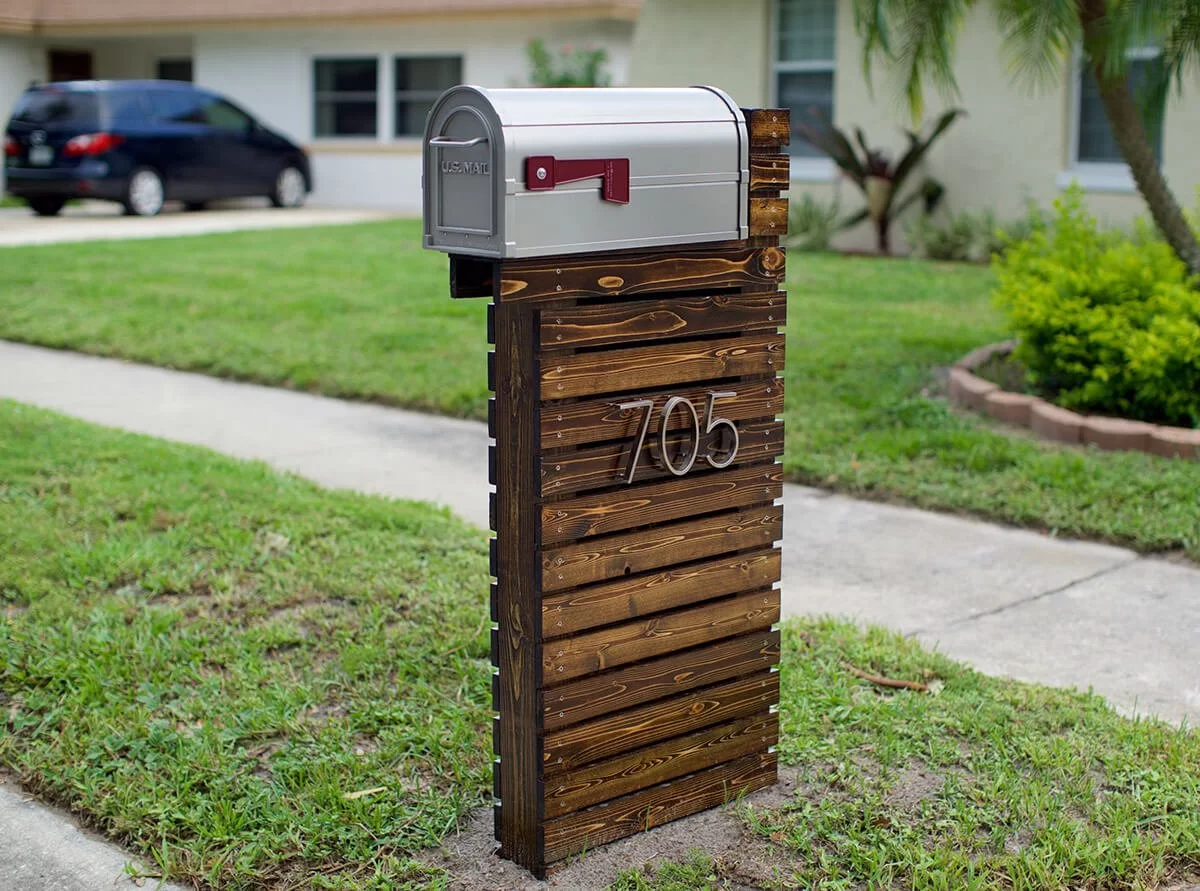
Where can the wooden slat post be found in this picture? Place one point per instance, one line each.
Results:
(635, 567)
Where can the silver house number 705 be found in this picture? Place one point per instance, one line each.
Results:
(681, 403)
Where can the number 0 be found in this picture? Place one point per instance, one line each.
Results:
(662, 435)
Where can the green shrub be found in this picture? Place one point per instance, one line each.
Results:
(812, 223)
(968, 236)
(1106, 325)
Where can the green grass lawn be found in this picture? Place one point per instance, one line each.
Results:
(362, 312)
(258, 683)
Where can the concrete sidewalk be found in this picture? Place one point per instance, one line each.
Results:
(1009, 602)
(103, 221)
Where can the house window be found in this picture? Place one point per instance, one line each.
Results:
(806, 33)
(346, 93)
(175, 69)
(1094, 141)
(418, 83)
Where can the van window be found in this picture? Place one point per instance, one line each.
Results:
(225, 116)
(128, 108)
(58, 108)
(178, 106)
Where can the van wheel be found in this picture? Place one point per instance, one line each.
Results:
(47, 206)
(290, 188)
(144, 195)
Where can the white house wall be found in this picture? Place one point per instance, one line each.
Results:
(19, 64)
(269, 72)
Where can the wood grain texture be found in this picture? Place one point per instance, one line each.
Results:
(615, 645)
(599, 559)
(640, 595)
(639, 321)
(517, 640)
(685, 362)
(769, 173)
(652, 807)
(768, 216)
(609, 736)
(596, 420)
(608, 465)
(649, 503)
(663, 761)
(768, 126)
(665, 676)
(624, 273)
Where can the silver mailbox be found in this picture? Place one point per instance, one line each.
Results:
(537, 172)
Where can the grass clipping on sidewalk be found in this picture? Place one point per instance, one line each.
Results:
(261, 684)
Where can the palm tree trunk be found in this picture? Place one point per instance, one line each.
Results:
(1129, 130)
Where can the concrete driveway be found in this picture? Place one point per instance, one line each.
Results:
(100, 221)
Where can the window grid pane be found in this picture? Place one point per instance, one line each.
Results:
(346, 97)
(1096, 141)
(801, 92)
(807, 30)
(419, 82)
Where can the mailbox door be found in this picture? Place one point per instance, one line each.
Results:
(461, 176)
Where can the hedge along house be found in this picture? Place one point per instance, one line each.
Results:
(351, 80)
(1012, 146)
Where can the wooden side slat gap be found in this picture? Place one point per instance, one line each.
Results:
(615, 645)
(652, 807)
(617, 732)
(602, 558)
(550, 354)
(621, 370)
(635, 596)
(664, 676)
(592, 421)
(652, 503)
(640, 321)
(666, 760)
(606, 467)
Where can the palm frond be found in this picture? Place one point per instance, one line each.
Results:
(915, 36)
(1039, 36)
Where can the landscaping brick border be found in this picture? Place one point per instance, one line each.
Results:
(968, 390)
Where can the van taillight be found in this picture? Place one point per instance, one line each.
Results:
(10, 147)
(92, 144)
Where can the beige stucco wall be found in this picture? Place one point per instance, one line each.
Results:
(19, 64)
(1015, 143)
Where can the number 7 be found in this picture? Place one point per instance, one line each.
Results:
(635, 456)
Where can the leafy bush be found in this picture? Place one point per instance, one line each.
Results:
(812, 223)
(1106, 325)
(572, 68)
(968, 236)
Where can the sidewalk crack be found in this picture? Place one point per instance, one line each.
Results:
(1035, 597)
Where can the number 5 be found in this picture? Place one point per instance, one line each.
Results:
(712, 423)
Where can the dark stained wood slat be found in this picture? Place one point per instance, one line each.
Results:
(599, 559)
(648, 503)
(666, 676)
(769, 173)
(652, 807)
(622, 273)
(596, 420)
(768, 216)
(685, 362)
(635, 596)
(608, 465)
(665, 761)
(517, 640)
(614, 734)
(572, 657)
(768, 126)
(639, 321)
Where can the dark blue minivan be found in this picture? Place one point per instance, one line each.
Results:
(142, 143)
